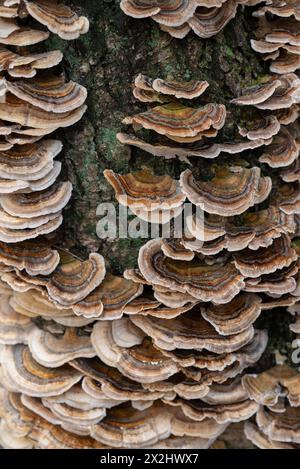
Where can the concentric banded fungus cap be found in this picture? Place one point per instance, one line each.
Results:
(144, 190)
(33, 303)
(27, 65)
(281, 8)
(250, 229)
(51, 93)
(179, 122)
(279, 283)
(277, 93)
(179, 89)
(259, 439)
(142, 362)
(284, 149)
(100, 378)
(231, 363)
(9, 9)
(219, 283)
(265, 260)
(40, 226)
(208, 22)
(221, 413)
(24, 113)
(24, 374)
(126, 427)
(283, 426)
(36, 204)
(200, 149)
(37, 258)
(54, 350)
(14, 328)
(191, 331)
(262, 128)
(265, 225)
(58, 18)
(287, 198)
(230, 191)
(110, 298)
(169, 12)
(234, 317)
(48, 436)
(72, 280)
(268, 387)
(13, 35)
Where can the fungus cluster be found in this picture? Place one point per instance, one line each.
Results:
(277, 422)
(277, 36)
(205, 18)
(156, 358)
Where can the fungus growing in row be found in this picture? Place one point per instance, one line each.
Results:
(275, 93)
(219, 283)
(177, 17)
(278, 418)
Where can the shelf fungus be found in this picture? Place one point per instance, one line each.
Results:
(263, 261)
(251, 230)
(156, 357)
(275, 92)
(277, 423)
(229, 191)
(178, 17)
(152, 198)
(72, 280)
(219, 283)
(181, 123)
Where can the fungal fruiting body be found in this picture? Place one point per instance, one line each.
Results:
(160, 356)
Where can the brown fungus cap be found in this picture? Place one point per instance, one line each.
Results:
(179, 89)
(168, 12)
(141, 362)
(144, 190)
(230, 191)
(58, 18)
(278, 92)
(265, 260)
(234, 317)
(190, 331)
(26, 375)
(14, 328)
(110, 297)
(217, 283)
(36, 204)
(266, 388)
(54, 350)
(199, 149)
(72, 280)
(283, 426)
(179, 122)
(23, 113)
(51, 93)
(284, 149)
(37, 258)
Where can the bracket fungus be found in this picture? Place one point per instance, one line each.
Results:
(151, 197)
(177, 17)
(219, 283)
(158, 357)
(230, 191)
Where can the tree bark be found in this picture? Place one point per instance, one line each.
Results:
(105, 61)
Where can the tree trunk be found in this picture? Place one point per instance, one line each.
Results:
(105, 61)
